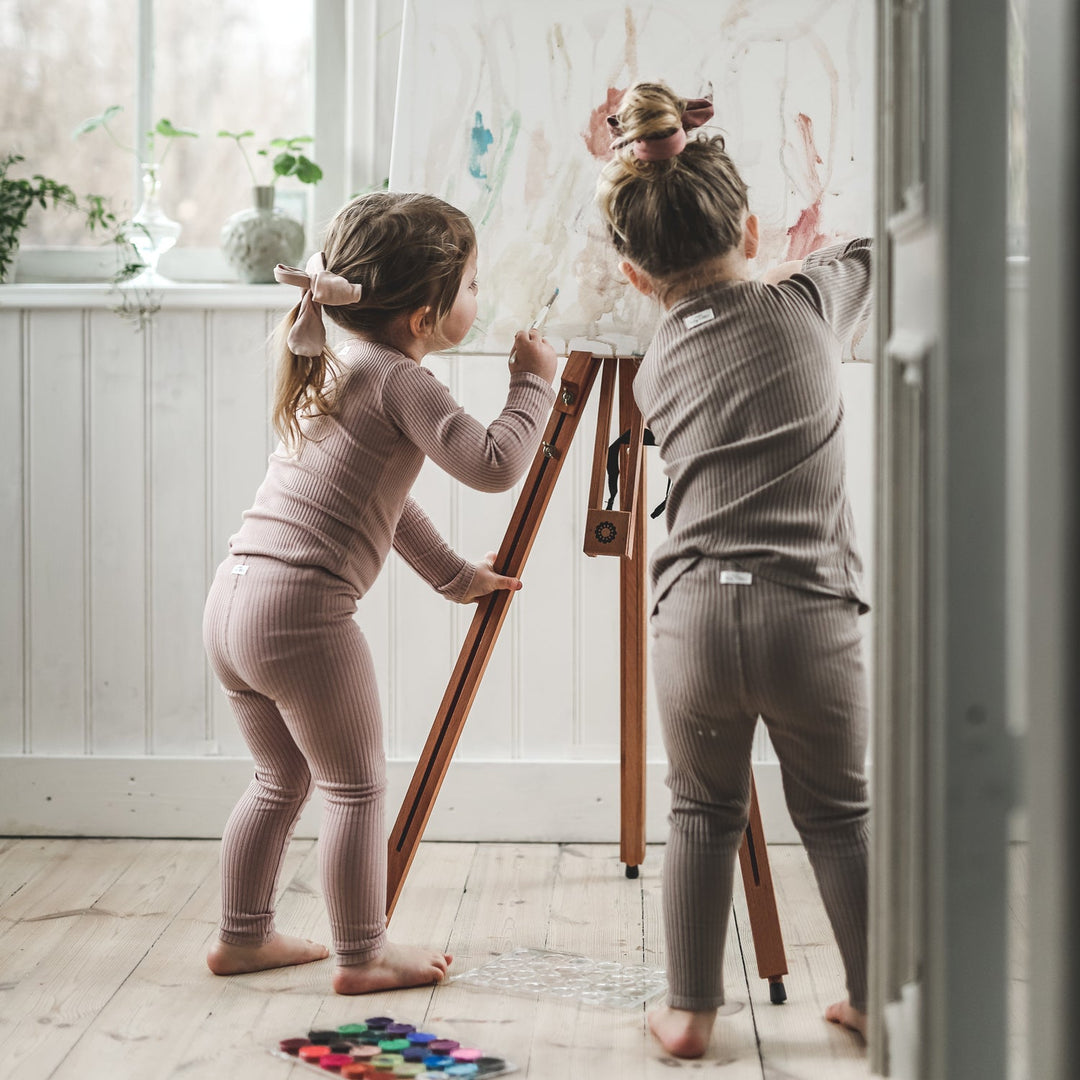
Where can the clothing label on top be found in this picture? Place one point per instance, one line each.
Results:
(241, 569)
(735, 577)
(698, 318)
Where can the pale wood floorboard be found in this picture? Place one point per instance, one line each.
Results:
(102, 974)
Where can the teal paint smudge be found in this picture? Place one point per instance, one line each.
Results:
(481, 139)
(514, 127)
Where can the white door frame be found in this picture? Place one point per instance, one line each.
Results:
(943, 753)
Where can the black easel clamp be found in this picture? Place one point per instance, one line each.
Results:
(613, 469)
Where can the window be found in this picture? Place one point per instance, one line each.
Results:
(215, 64)
(50, 56)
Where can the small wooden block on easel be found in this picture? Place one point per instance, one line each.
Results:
(608, 532)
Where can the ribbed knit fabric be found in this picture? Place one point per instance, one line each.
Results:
(740, 386)
(723, 654)
(342, 500)
(280, 633)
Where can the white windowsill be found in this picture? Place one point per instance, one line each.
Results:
(199, 294)
(80, 278)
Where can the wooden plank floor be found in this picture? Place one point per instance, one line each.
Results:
(102, 976)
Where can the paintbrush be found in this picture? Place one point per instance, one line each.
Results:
(541, 318)
(538, 322)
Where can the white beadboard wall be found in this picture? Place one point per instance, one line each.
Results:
(129, 458)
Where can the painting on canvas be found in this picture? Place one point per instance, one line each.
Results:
(502, 111)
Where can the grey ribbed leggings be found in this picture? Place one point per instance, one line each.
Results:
(724, 654)
(299, 677)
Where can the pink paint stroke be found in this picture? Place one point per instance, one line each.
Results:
(806, 235)
(597, 135)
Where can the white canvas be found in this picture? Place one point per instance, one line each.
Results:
(501, 111)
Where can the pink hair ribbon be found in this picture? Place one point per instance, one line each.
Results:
(307, 337)
(698, 111)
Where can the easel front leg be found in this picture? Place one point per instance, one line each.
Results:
(431, 769)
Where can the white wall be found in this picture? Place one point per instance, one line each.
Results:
(130, 458)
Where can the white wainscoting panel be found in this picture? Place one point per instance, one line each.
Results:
(130, 458)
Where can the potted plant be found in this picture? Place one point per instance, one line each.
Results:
(257, 239)
(150, 231)
(18, 195)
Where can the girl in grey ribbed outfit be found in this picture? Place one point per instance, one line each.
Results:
(398, 273)
(756, 592)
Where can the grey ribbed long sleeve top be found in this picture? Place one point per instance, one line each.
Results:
(740, 387)
(343, 499)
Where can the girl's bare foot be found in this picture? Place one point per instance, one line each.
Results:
(844, 1013)
(395, 967)
(682, 1032)
(279, 951)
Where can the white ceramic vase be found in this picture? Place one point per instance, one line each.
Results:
(257, 239)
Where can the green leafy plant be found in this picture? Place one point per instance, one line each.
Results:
(164, 129)
(18, 195)
(285, 156)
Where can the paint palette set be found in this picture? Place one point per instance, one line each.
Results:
(380, 1048)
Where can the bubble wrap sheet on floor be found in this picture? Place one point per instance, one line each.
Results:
(567, 976)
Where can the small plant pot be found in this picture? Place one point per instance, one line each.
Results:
(257, 239)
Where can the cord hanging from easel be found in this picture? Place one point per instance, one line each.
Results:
(613, 469)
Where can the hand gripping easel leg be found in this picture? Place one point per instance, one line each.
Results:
(619, 532)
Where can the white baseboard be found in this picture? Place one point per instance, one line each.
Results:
(550, 801)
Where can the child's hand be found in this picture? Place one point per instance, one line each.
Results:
(485, 580)
(533, 353)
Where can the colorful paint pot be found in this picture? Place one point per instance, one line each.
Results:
(323, 1036)
(392, 1046)
(487, 1065)
(413, 1054)
(408, 1069)
(387, 1061)
(442, 1046)
(292, 1046)
(352, 1029)
(334, 1062)
(464, 1068)
(421, 1038)
(358, 1070)
(399, 1029)
(365, 1053)
(438, 1061)
(313, 1051)
(466, 1053)
(378, 1021)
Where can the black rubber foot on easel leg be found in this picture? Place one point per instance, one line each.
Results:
(777, 993)
(631, 871)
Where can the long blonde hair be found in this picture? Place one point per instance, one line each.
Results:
(668, 216)
(408, 251)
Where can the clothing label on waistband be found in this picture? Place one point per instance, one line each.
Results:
(241, 569)
(735, 577)
(698, 318)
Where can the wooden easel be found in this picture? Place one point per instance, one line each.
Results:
(608, 532)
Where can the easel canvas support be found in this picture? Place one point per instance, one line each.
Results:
(619, 532)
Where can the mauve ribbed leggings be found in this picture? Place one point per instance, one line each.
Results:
(299, 677)
(724, 654)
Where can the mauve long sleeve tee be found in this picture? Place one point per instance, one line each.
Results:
(343, 500)
(741, 388)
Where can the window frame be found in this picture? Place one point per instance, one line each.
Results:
(347, 51)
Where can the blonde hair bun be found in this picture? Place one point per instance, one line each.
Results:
(669, 214)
